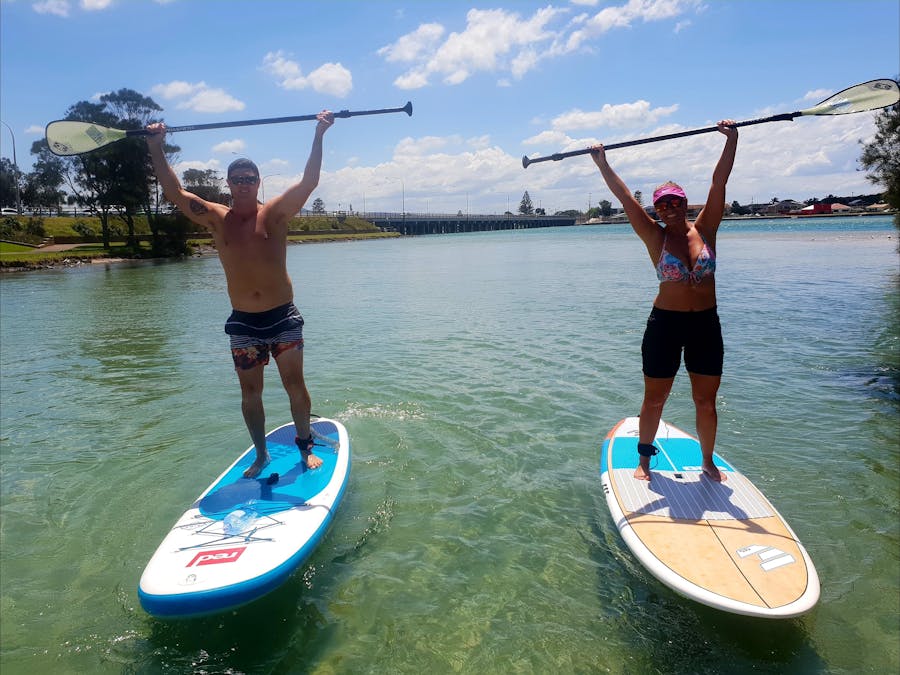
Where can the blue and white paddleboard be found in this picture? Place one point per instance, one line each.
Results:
(209, 563)
(721, 544)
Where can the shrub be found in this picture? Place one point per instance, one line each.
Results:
(83, 229)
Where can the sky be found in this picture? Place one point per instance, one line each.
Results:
(490, 81)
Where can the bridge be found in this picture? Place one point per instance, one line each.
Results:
(417, 223)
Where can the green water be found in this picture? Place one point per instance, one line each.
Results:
(477, 375)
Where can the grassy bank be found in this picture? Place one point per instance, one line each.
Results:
(72, 226)
(15, 256)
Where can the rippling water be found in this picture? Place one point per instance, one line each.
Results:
(477, 375)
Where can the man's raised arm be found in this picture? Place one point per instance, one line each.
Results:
(198, 210)
(289, 204)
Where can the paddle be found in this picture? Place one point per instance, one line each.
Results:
(70, 137)
(858, 98)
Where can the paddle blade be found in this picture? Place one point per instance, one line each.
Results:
(67, 137)
(858, 98)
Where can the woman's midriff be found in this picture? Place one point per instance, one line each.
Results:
(680, 296)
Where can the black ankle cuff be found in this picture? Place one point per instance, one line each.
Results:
(647, 449)
(305, 444)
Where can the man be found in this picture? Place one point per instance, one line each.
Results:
(251, 239)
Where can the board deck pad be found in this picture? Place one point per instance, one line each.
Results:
(720, 543)
(202, 566)
(294, 486)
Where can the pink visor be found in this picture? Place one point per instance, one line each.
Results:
(667, 190)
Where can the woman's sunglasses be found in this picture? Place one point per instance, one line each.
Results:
(666, 204)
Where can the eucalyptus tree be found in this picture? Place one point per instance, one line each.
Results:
(43, 185)
(881, 157)
(205, 183)
(116, 178)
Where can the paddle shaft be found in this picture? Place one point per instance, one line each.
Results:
(784, 117)
(273, 120)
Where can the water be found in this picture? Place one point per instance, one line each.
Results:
(477, 375)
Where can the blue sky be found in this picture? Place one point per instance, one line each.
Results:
(489, 82)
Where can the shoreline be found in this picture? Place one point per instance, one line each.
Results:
(200, 249)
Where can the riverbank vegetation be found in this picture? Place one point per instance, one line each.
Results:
(30, 242)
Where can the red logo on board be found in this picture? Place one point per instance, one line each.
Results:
(220, 555)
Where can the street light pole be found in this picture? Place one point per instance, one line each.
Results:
(262, 185)
(15, 169)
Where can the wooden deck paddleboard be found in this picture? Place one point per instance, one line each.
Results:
(209, 563)
(721, 544)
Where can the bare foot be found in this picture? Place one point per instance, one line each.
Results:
(306, 445)
(261, 462)
(642, 472)
(712, 472)
(312, 461)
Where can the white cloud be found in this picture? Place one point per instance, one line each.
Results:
(445, 174)
(438, 181)
(548, 139)
(63, 7)
(236, 145)
(623, 16)
(499, 40)
(632, 115)
(95, 5)
(55, 7)
(330, 78)
(198, 97)
(817, 95)
(804, 159)
(35, 129)
(176, 89)
(493, 40)
(414, 45)
(426, 145)
(211, 101)
(181, 167)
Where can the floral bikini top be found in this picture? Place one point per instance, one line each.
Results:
(670, 267)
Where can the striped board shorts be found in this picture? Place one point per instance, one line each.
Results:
(256, 335)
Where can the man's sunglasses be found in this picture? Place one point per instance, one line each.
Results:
(244, 180)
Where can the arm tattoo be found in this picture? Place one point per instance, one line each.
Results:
(197, 208)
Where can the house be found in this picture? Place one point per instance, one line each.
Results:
(840, 208)
(813, 209)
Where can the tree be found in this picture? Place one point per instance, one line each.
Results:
(526, 208)
(205, 183)
(605, 208)
(881, 157)
(119, 174)
(738, 210)
(7, 182)
(43, 184)
(318, 206)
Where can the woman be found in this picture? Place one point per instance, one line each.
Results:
(684, 312)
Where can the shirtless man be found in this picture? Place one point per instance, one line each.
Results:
(252, 243)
